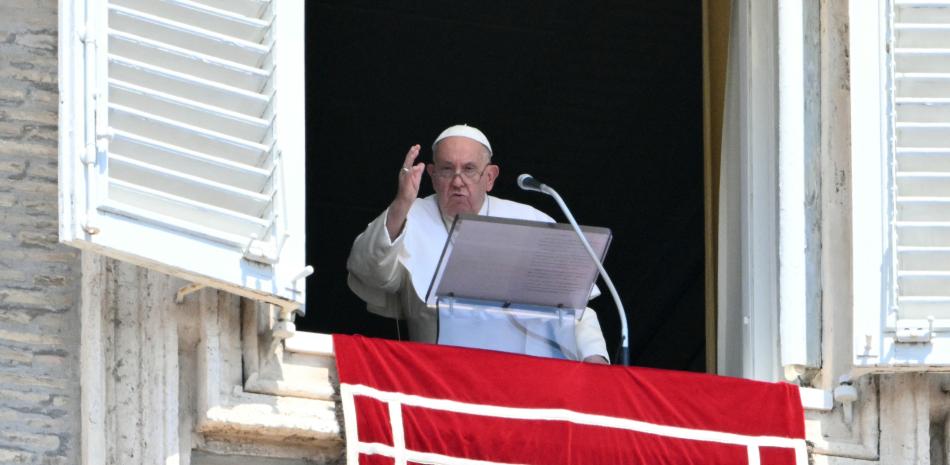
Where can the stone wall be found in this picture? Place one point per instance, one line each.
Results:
(39, 278)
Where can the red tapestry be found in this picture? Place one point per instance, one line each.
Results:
(407, 403)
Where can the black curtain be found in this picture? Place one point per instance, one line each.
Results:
(602, 100)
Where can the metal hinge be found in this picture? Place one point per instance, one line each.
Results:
(914, 330)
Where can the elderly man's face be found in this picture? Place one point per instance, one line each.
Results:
(461, 175)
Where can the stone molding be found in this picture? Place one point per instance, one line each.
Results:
(162, 380)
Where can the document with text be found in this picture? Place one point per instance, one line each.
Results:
(518, 262)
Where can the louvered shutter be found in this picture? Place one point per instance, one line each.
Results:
(182, 139)
(914, 315)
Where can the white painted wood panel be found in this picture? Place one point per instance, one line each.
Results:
(187, 157)
(900, 76)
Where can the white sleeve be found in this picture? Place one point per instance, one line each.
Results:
(590, 339)
(375, 274)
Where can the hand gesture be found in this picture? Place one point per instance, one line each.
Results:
(409, 178)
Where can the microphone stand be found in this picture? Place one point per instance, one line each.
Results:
(624, 338)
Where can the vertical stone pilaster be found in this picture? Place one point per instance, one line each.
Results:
(130, 365)
(905, 419)
(92, 365)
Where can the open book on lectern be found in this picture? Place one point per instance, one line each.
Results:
(514, 285)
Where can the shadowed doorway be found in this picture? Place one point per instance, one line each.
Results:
(601, 100)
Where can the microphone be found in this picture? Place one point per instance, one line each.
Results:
(529, 183)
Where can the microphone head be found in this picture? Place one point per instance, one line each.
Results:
(529, 183)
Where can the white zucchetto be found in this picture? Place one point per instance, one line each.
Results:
(464, 130)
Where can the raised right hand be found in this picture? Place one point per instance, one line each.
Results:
(410, 176)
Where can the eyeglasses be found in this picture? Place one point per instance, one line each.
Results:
(468, 173)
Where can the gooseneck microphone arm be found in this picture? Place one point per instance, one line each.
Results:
(529, 183)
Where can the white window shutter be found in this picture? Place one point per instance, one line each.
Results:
(182, 139)
(901, 182)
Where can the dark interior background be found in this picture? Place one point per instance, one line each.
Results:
(602, 100)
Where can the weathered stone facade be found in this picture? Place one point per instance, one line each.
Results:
(202, 381)
(39, 278)
(164, 381)
(98, 363)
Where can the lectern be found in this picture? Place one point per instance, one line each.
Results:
(514, 285)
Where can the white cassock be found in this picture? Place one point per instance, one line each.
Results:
(393, 276)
